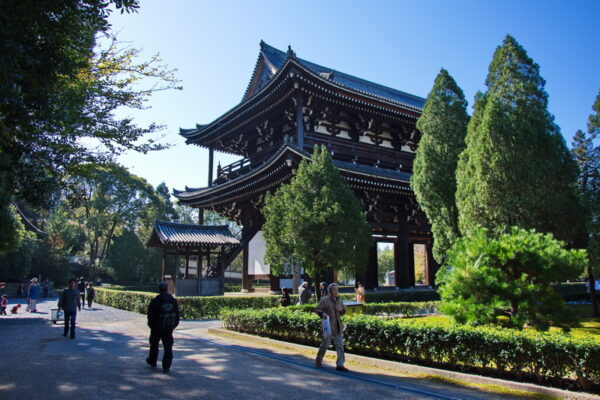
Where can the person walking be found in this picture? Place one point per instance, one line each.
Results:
(81, 288)
(33, 294)
(330, 309)
(304, 293)
(91, 293)
(70, 302)
(163, 318)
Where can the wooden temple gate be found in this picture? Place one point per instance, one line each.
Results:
(290, 106)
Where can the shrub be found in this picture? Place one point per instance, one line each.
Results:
(545, 357)
(508, 276)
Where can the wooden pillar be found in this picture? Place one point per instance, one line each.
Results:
(273, 283)
(432, 265)
(299, 120)
(187, 266)
(246, 281)
(200, 216)
(164, 265)
(371, 280)
(411, 264)
(401, 261)
(222, 268)
(211, 160)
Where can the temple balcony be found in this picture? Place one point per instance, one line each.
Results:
(243, 166)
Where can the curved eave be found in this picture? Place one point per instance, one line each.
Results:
(201, 136)
(368, 176)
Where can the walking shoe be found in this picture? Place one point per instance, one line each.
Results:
(318, 364)
(165, 370)
(65, 334)
(72, 336)
(341, 368)
(153, 365)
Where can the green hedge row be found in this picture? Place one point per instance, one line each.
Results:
(211, 306)
(545, 357)
(386, 309)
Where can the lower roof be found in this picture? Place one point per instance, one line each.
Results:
(173, 234)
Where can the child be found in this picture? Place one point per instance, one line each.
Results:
(3, 305)
(91, 293)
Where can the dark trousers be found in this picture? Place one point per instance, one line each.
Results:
(156, 335)
(90, 299)
(70, 320)
(82, 299)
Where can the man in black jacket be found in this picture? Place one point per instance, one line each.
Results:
(70, 302)
(163, 318)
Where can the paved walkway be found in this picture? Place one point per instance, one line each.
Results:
(106, 361)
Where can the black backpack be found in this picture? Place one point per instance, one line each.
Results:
(167, 315)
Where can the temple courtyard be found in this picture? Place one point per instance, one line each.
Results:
(106, 361)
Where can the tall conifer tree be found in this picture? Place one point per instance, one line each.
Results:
(516, 169)
(444, 126)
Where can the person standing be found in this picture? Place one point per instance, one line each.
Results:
(163, 318)
(46, 288)
(330, 309)
(91, 293)
(81, 288)
(285, 298)
(3, 304)
(304, 293)
(323, 287)
(360, 293)
(70, 302)
(33, 294)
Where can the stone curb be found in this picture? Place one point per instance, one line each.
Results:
(417, 369)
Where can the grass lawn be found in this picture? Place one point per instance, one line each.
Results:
(590, 327)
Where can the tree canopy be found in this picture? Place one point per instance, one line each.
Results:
(317, 221)
(58, 94)
(507, 279)
(516, 169)
(444, 126)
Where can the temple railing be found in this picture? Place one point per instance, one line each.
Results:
(243, 166)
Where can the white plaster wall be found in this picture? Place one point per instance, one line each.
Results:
(256, 256)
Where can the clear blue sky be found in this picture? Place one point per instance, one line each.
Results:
(214, 46)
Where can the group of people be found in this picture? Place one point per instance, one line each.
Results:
(330, 309)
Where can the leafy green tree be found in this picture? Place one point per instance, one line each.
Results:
(587, 155)
(317, 221)
(59, 91)
(104, 200)
(516, 169)
(507, 280)
(130, 260)
(444, 126)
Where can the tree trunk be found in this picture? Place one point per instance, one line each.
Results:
(592, 286)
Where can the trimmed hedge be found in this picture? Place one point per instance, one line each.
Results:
(520, 355)
(386, 309)
(211, 306)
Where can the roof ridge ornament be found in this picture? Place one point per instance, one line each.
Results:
(291, 53)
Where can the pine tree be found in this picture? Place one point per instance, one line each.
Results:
(316, 220)
(587, 155)
(444, 126)
(516, 169)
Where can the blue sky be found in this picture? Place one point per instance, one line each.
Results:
(214, 46)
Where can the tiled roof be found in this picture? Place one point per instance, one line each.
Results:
(172, 233)
(277, 58)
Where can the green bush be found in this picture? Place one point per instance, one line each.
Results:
(508, 276)
(546, 357)
(385, 309)
(403, 296)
